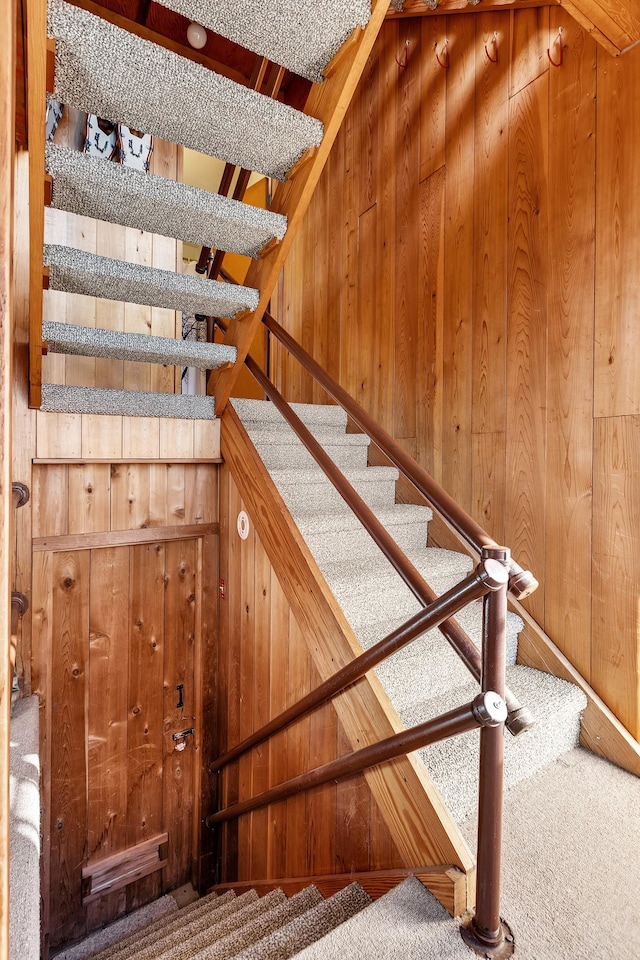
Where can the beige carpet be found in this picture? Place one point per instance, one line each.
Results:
(571, 888)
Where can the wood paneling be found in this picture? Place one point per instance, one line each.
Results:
(523, 206)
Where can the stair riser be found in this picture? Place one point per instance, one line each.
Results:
(324, 496)
(257, 413)
(277, 456)
(358, 543)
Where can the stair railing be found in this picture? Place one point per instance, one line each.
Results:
(495, 575)
(486, 934)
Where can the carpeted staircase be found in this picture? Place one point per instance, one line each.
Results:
(103, 69)
(246, 927)
(426, 678)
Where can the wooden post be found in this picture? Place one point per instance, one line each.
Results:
(7, 154)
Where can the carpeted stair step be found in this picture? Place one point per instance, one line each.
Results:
(303, 37)
(279, 447)
(206, 906)
(119, 345)
(339, 533)
(263, 925)
(429, 667)
(325, 415)
(309, 927)
(105, 70)
(407, 923)
(92, 187)
(57, 398)
(453, 764)
(115, 933)
(199, 936)
(369, 589)
(76, 271)
(311, 490)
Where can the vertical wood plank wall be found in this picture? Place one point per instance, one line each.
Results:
(264, 665)
(115, 629)
(467, 270)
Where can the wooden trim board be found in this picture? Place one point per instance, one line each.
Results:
(402, 789)
(600, 731)
(122, 538)
(449, 880)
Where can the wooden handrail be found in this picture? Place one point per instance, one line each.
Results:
(485, 710)
(483, 579)
(521, 582)
(519, 717)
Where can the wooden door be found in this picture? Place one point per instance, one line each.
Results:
(123, 628)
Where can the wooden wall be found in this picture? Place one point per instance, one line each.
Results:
(467, 270)
(264, 666)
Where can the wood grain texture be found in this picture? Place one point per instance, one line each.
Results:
(527, 330)
(572, 92)
(616, 558)
(107, 710)
(145, 706)
(458, 252)
(617, 387)
(69, 685)
(541, 368)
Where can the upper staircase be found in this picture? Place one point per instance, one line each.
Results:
(100, 68)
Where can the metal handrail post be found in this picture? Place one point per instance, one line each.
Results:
(487, 934)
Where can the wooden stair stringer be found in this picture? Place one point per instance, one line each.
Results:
(327, 102)
(420, 825)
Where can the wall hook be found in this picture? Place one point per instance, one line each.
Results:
(445, 50)
(405, 60)
(494, 42)
(558, 42)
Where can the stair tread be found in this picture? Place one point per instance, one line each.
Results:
(202, 939)
(310, 926)
(105, 70)
(453, 764)
(265, 412)
(283, 476)
(142, 347)
(407, 922)
(93, 187)
(321, 521)
(263, 925)
(154, 932)
(284, 435)
(77, 271)
(130, 403)
(301, 37)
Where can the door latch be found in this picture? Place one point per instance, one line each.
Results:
(180, 739)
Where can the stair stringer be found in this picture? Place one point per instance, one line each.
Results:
(419, 823)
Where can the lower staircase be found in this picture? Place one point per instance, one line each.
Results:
(427, 677)
(275, 927)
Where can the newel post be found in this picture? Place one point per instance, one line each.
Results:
(487, 934)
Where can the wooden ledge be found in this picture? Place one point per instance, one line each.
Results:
(268, 249)
(302, 162)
